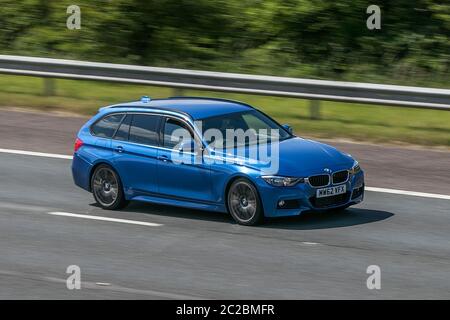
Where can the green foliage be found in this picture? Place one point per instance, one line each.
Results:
(300, 38)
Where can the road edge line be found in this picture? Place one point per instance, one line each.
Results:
(371, 189)
(409, 193)
(36, 154)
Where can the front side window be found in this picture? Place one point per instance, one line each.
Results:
(144, 128)
(257, 125)
(174, 133)
(106, 127)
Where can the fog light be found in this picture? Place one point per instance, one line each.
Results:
(288, 204)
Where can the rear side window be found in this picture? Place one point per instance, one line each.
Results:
(124, 129)
(106, 127)
(144, 129)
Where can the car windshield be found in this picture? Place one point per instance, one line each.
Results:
(241, 128)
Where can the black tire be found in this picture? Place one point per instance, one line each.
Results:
(244, 203)
(107, 188)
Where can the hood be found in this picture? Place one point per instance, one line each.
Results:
(297, 157)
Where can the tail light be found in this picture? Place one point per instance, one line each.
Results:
(78, 144)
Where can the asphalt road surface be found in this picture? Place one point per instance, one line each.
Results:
(178, 253)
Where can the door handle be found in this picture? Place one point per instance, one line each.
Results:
(164, 158)
(119, 149)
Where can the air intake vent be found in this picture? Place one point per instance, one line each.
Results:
(319, 181)
(340, 176)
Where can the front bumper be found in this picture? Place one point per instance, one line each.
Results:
(302, 197)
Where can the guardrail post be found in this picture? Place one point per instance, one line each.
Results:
(314, 109)
(49, 87)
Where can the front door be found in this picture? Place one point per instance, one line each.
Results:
(181, 173)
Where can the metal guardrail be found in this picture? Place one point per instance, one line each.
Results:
(417, 97)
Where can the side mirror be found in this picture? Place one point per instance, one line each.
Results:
(288, 128)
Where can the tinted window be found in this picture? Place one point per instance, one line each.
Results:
(260, 124)
(143, 129)
(174, 132)
(124, 129)
(106, 127)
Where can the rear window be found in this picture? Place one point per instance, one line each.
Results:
(106, 127)
(144, 129)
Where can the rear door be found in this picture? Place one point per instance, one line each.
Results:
(135, 151)
(104, 130)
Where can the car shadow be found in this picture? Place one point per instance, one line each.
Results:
(174, 211)
(327, 220)
(306, 221)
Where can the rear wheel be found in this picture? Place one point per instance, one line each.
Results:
(244, 203)
(107, 188)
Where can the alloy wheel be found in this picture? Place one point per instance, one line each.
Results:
(105, 186)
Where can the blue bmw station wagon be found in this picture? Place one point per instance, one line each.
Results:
(210, 154)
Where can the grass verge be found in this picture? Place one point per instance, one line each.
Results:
(359, 122)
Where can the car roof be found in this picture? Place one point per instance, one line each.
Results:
(195, 107)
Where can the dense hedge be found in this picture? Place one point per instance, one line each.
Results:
(309, 38)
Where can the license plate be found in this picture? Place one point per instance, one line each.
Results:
(331, 191)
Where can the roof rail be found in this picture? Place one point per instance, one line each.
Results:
(145, 107)
(131, 106)
(148, 106)
(211, 98)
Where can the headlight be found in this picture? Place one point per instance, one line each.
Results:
(278, 181)
(355, 169)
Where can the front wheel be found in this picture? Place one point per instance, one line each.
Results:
(107, 188)
(244, 203)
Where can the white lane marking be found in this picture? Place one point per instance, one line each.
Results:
(36, 154)
(102, 286)
(409, 193)
(103, 283)
(308, 243)
(116, 288)
(373, 189)
(83, 216)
